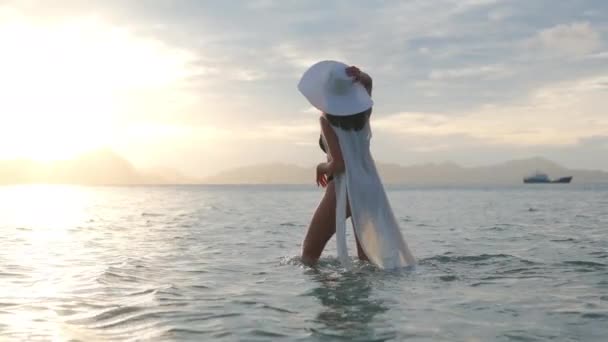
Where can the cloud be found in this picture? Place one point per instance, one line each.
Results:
(560, 114)
(500, 14)
(487, 72)
(599, 55)
(311, 110)
(600, 141)
(572, 40)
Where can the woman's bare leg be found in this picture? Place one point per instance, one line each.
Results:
(322, 227)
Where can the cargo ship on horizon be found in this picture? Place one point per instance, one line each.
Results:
(540, 177)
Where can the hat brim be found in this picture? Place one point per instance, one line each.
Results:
(311, 86)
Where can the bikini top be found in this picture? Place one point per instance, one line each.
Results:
(321, 144)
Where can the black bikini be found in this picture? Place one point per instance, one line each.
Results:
(324, 149)
(321, 144)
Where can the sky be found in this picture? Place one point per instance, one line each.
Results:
(204, 86)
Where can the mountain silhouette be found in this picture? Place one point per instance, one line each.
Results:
(102, 167)
(105, 167)
(264, 174)
(448, 173)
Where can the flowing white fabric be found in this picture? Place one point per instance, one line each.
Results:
(371, 214)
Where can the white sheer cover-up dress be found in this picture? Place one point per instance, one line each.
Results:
(372, 216)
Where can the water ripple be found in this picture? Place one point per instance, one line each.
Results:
(218, 263)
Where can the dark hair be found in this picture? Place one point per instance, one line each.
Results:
(350, 122)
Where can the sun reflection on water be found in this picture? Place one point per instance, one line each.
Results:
(37, 221)
(48, 208)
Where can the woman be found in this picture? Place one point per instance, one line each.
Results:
(353, 186)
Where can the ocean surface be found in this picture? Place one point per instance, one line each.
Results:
(220, 263)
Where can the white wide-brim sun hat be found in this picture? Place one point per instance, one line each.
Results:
(327, 87)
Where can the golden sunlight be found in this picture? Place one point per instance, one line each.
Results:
(66, 86)
(43, 218)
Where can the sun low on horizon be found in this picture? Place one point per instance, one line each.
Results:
(80, 84)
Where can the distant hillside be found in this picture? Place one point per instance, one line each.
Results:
(106, 167)
(510, 172)
(264, 174)
(102, 167)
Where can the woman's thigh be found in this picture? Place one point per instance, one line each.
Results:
(322, 226)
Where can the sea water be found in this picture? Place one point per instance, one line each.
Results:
(202, 263)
